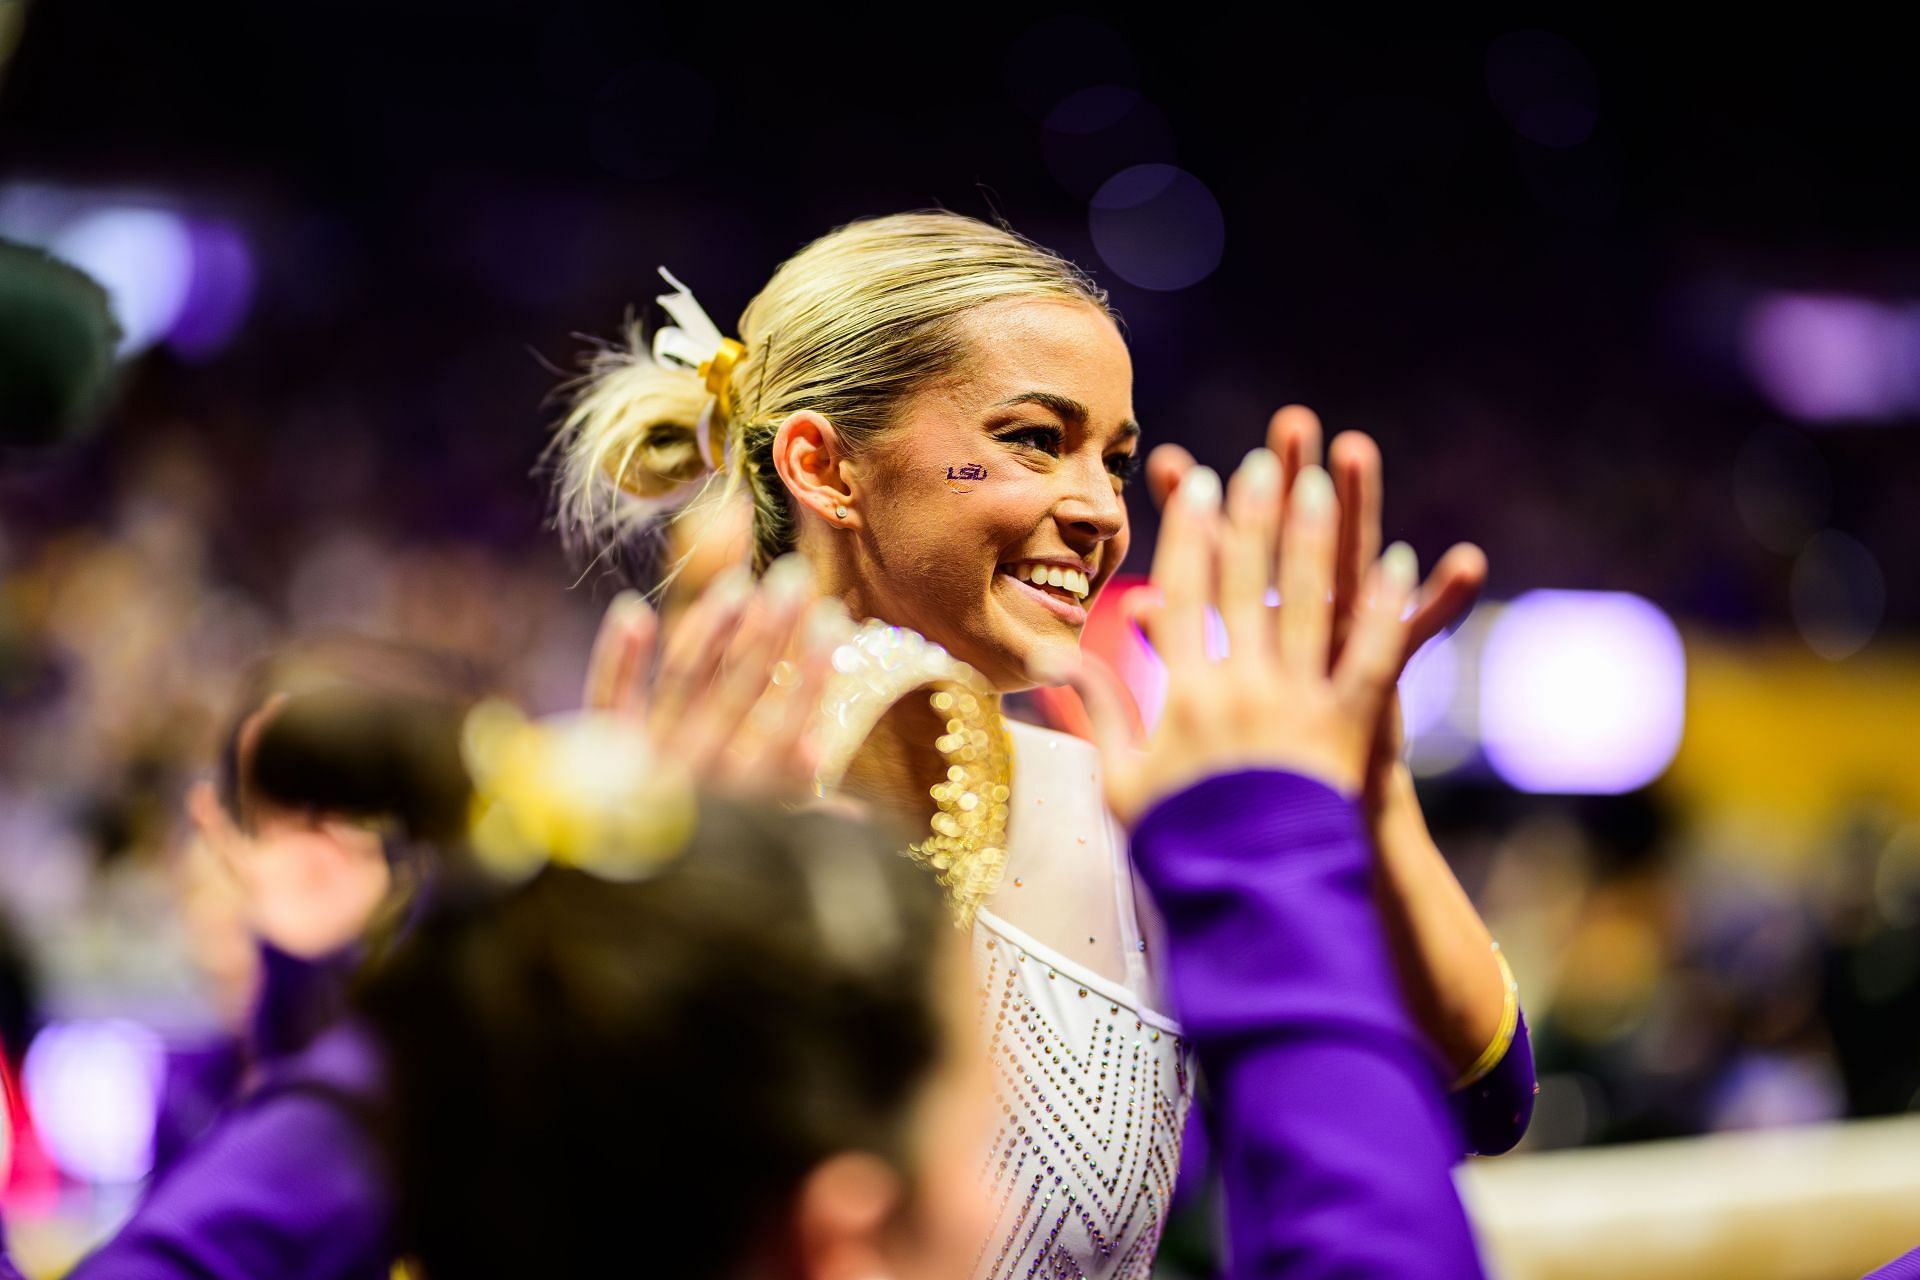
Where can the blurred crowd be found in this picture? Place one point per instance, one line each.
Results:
(1675, 985)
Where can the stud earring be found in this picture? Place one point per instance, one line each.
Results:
(839, 511)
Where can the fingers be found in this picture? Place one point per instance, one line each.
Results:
(1248, 545)
(1355, 462)
(1451, 589)
(782, 755)
(603, 661)
(694, 647)
(1106, 698)
(1293, 433)
(1372, 660)
(1166, 466)
(1183, 568)
(1306, 575)
(765, 630)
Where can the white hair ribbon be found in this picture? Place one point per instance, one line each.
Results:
(693, 338)
(694, 342)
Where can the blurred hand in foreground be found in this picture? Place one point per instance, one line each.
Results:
(738, 677)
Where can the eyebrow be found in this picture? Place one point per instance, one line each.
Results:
(1069, 410)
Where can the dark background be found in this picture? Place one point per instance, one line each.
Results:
(1544, 337)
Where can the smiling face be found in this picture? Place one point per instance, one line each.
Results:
(992, 516)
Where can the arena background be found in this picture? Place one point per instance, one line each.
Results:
(1635, 306)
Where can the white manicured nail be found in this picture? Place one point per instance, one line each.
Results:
(828, 623)
(1049, 667)
(1400, 567)
(626, 607)
(1313, 492)
(1201, 489)
(1262, 472)
(788, 580)
(731, 586)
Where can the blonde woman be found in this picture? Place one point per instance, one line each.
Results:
(938, 416)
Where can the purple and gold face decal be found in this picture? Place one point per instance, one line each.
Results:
(961, 480)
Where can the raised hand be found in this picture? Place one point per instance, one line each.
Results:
(739, 676)
(1280, 699)
(1294, 435)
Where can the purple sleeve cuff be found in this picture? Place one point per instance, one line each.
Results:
(1493, 1111)
(1328, 1111)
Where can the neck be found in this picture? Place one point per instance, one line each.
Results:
(898, 764)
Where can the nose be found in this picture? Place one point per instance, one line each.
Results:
(1092, 512)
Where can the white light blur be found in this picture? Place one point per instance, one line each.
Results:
(1581, 692)
(94, 1089)
(143, 258)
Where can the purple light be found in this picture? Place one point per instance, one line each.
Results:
(1157, 227)
(143, 258)
(1828, 357)
(1581, 692)
(218, 291)
(94, 1088)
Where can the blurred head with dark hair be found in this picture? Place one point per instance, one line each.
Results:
(757, 1062)
(333, 743)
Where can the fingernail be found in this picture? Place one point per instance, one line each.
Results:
(1200, 490)
(731, 586)
(1313, 492)
(788, 580)
(1262, 472)
(1400, 567)
(828, 623)
(626, 606)
(1049, 667)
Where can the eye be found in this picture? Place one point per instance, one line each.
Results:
(1123, 466)
(1046, 439)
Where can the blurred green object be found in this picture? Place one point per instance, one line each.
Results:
(57, 341)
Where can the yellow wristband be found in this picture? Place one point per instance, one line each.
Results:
(1503, 1037)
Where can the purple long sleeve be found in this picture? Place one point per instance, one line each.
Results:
(289, 1185)
(1493, 1111)
(7, 1269)
(1328, 1112)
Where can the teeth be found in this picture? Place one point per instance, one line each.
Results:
(1044, 575)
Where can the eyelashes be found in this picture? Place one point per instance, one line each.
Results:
(1122, 466)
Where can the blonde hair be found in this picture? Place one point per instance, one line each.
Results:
(850, 327)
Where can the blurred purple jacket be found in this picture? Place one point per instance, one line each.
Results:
(1329, 1115)
(289, 1185)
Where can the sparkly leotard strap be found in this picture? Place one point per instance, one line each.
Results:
(881, 664)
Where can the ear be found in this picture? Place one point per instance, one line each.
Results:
(808, 454)
(841, 1215)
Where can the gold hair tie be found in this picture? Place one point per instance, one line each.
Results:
(584, 790)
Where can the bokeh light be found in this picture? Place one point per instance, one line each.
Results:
(1822, 357)
(93, 1088)
(143, 257)
(1157, 227)
(1581, 692)
(1839, 594)
(218, 292)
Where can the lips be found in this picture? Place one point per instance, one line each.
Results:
(1058, 601)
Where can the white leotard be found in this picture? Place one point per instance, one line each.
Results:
(1093, 1080)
